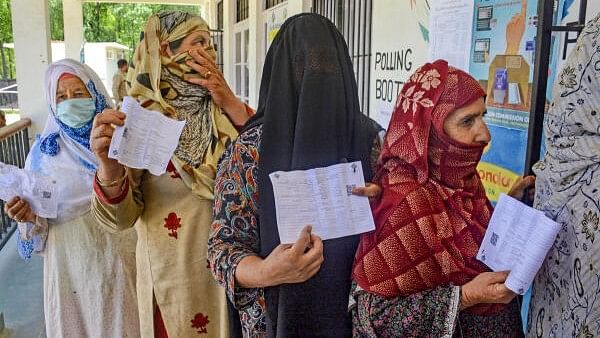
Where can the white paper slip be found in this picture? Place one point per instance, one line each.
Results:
(147, 140)
(517, 240)
(39, 191)
(322, 198)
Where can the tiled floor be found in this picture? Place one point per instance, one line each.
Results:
(21, 293)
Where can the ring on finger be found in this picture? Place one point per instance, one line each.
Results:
(207, 74)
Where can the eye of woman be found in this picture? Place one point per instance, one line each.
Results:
(60, 97)
(201, 41)
(467, 121)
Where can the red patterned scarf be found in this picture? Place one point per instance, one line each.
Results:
(433, 212)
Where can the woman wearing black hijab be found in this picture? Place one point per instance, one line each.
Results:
(308, 116)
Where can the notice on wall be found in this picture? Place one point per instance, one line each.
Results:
(450, 26)
(275, 17)
(398, 48)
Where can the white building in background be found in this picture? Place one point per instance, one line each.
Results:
(102, 57)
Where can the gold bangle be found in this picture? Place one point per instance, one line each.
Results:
(114, 183)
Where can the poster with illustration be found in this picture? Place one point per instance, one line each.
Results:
(398, 48)
(503, 60)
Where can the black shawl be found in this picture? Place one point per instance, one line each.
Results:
(309, 110)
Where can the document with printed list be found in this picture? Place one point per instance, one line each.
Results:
(38, 190)
(517, 239)
(322, 198)
(147, 140)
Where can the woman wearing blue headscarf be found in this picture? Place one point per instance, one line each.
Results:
(89, 275)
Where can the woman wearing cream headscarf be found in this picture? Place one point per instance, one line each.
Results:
(177, 295)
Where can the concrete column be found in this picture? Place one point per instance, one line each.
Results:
(228, 41)
(31, 32)
(298, 6)
(254, 50)
(73, 27)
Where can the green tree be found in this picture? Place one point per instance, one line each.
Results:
(5, 35)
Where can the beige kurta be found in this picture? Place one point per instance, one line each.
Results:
(89, 281)
(172, 226)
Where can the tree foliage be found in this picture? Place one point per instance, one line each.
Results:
(103, 22)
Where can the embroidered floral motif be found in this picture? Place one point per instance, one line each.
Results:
(568, 78)
(415, 98)
(431, 79)
(172, 223)
(589, 225)
(200, 322)
(172, 170)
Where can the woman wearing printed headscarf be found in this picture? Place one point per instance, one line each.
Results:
(89, 274)
(308, 117)
(172, 213)
(416, 275)
(564, 301)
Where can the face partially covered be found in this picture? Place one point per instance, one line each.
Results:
(194, 40)
(71, 87)
(466, 124)
(74, 104)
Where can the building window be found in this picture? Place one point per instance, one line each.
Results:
(220, 15)
(272, 3)
(242, 10)
(242, 40)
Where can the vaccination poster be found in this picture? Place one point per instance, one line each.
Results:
(503, 60)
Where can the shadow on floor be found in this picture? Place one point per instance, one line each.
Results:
(21, 293)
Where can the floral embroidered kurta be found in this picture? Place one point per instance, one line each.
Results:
(235, 230)
(172, 226)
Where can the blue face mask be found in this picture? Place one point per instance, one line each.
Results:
(76, 113)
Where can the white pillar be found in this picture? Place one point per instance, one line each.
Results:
(31, 33)
(254, 51)
(298, 6)
(228, 41)
(73, 28)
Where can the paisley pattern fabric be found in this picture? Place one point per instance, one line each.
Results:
(565, 299)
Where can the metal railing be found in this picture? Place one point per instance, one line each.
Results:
(14, 147)
(353, 19)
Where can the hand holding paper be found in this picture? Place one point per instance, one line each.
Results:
(323, 198)
(39, 191)
(517, 240)
(147, 140)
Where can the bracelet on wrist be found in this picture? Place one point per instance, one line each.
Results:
(108, 184)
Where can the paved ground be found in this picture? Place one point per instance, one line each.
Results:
(21, 294)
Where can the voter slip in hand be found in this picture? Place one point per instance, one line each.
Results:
(39, 191)
(517, 239)
(323, 198)
(147, 140)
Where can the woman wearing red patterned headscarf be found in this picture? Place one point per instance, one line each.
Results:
(416, 275)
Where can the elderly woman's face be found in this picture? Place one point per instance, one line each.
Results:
(194, 40)
(71, 88)
(466, 124)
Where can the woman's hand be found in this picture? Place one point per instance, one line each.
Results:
(288, 263)
(213, 80)
(371, 190)
(100, 137)
(523, 185)
(294, 263)
(487, 287)
(19, 210)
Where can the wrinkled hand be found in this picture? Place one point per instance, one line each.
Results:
(487, 287)
(294, 263)
(19, 210)
(521, 186)
(100, 138)
(213, 80)
(371, 190)
(515, 29)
